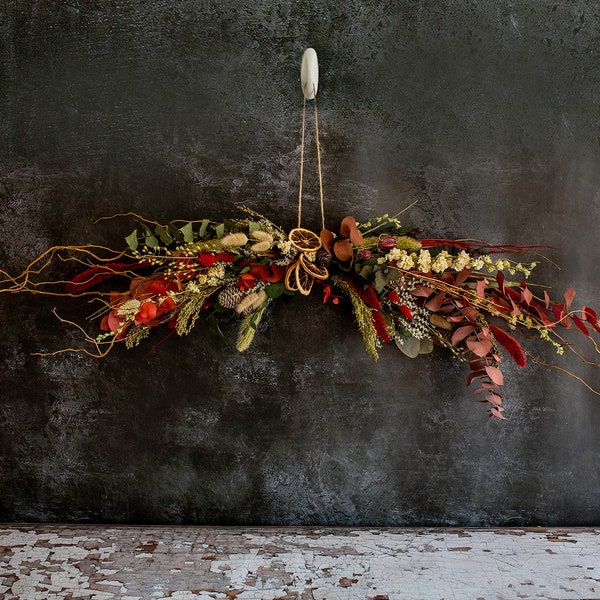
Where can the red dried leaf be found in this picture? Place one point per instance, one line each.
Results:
(479, 348)
(327, 240)
(461, 333)
(559, 310)
(589, 315)
(95, 275)
(486, 385)
(452, 318)
(470, 313)
(343, 250)
(580, 325)
(496, 411)
(500, 278)
(481, 287)
(475, 375)
(495, 374)
(569, 295)
(501, 304)
(526, 295)
(462, 276)
(478, 364)
(495, 399)
(436, 302)
(347, 224)
(422, 291)
(547, 299)
(446, 309)
(516, 311)
(356, 236)
(543, 315)
(147, 312)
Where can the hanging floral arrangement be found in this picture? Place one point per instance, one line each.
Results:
(469, 298)
(413, 291)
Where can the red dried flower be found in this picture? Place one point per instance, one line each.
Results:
(386, 242)
(406, 312)
(510, 345)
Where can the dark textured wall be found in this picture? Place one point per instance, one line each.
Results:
(487, 113)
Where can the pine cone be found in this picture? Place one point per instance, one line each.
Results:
(231, 296)
(323, 258)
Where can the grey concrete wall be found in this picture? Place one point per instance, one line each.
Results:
(486, 113)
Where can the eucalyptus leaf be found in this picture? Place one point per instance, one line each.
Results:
(426, 346)
(188, 232)
(274, 290)
(151, 241)
(132, 239)
(173, 231)
(392, 274)
(163, 234)
(220, 230)
(253, 226)
(366, 272)
(380, 281)
(203, 227)
(410, 346)
(230, 225)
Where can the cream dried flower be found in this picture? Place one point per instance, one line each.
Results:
(234, 240)
(461, 261)
(424, 261)
(251, 302)
(441, 262)
(131, 307)
(261, 246)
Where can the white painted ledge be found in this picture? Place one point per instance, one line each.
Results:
(50, 562)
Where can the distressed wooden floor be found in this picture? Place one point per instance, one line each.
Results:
(103, 562)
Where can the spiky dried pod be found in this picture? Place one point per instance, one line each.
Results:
(230, 296)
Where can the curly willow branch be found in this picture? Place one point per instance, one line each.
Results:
(567, 372)
(99, 352)
(576, 351)
(144, 220)
(23, 282)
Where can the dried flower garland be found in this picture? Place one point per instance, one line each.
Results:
(413, 291)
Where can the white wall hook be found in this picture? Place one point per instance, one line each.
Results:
(309, 73)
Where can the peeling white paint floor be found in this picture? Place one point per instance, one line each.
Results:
(48, 562)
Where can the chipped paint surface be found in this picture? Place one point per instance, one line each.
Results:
(97, 562)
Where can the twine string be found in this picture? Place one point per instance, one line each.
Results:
(302, 160)
(322, 202)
